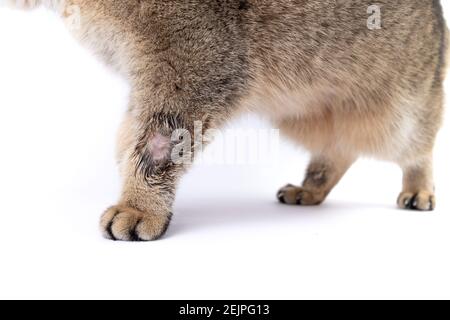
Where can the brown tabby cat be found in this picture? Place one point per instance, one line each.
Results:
(318, 69)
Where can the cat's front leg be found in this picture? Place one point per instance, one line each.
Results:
(152, 158)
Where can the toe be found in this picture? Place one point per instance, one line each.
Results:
(152, 228)
(124, 225)
(107, 222)
(289, 194)
(281, 196)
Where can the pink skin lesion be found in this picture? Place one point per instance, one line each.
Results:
(159, 147)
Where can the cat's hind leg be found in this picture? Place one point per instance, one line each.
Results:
(322, 175)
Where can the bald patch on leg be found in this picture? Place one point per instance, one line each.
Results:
(159, 147)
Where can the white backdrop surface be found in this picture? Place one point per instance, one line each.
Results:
(59, 113)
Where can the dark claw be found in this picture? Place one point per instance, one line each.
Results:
(431, 204)
(299, 199)
(133, 233)
(411, 203)
(109, 230)
(281, 198)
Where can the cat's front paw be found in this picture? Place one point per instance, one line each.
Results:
(128, 224)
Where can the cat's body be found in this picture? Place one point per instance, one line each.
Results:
(315, 68)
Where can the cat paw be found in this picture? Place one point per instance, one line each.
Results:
(293, 195)
(421, 201)
(122, 223)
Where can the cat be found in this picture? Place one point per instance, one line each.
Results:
(342, 78)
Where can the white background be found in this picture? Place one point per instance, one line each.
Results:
(59, 112)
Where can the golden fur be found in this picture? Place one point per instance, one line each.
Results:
(333, 85)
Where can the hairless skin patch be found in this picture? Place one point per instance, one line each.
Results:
(159, 147)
